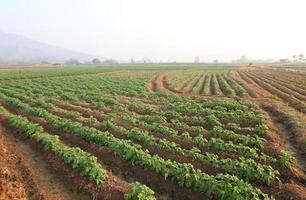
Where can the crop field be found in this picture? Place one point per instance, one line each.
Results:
(207, 82)
(153, 132)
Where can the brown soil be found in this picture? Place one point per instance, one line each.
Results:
(286, 83)
(292, 192)
(291, 100)
(293, 134)
(280, 86)
(24, 174)
(253, 89)
(13, 185)
(275, 145)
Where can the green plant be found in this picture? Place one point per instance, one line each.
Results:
(287, 158)
(139, 192)
(92, 120)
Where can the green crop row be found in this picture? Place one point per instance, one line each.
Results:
(221, 186)
(86, 164)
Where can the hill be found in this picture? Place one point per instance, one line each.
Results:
(16, 49)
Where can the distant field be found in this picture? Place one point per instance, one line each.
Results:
(146, 132)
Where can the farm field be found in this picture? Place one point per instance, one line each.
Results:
(153, 132)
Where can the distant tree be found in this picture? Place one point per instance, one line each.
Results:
(44, 62)
(96, 61)
(72, 61)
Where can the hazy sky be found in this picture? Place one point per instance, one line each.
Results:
(163, 29)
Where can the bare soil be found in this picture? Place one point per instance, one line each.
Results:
(253, 89)
(24, 173)
(293, 134)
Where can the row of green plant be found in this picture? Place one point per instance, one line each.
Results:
(194, 81)
(81, 161)
(215, 86)
(225, 87)
(206, 88)
(239, 89)
(199, 140)
(150, 110)
(220, 186)
(136, 135)
(230, 105)
(246, 169)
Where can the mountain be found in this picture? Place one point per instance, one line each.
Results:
(19, 49)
